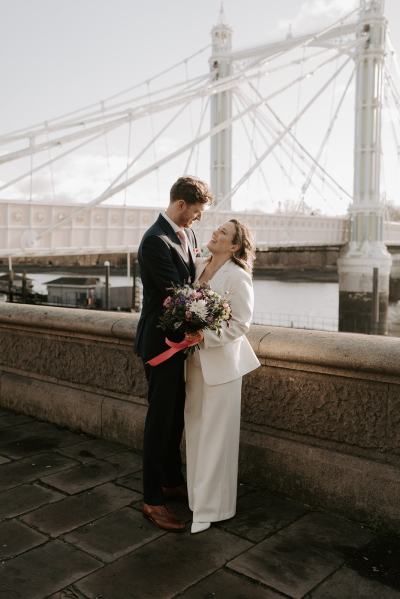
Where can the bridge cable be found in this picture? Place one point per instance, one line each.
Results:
(239, 183)
(169, 102)
(51, 174)
(128, 156)
(53, 159)
(203, 112)
(333, 98)
(110, 191)
(267, 126)
(116, 95)
(106, 147)
(310, 39)
(100, 115)
(327, 135)
(303, 155)
(250, 138)
(299, 90)
(157, 173)
(303, 148)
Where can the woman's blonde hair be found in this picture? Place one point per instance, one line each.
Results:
(246, 253)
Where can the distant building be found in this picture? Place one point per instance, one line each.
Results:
(87, 292)
(74, 291)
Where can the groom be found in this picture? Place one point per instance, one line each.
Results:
(166, 257)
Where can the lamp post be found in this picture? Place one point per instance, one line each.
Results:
(10, 280)
(107, 298)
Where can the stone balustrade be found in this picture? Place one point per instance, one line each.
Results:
(320, 418)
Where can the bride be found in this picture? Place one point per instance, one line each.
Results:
(214, 379)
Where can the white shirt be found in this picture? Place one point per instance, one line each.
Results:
(176, 229)
(171, 222)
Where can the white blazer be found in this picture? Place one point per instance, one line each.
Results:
(229, 356)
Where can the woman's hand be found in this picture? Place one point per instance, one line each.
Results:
(194, 338)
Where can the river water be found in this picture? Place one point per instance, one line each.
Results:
(283, 303)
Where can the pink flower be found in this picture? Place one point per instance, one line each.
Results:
(167, 302)
(188, 315)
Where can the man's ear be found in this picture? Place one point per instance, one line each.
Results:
(181, 204)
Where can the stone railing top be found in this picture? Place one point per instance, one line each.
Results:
(347, 351)
(75, 321)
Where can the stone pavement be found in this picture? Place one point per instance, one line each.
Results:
(71, 528)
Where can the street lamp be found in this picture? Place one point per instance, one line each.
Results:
(107, 265)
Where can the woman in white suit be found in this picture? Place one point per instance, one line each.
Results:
(214, 379)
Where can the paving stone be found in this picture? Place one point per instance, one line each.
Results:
(13, 420)
(29, 469)
(16, 538)
(90, 474)
(24, 499)
(133, 481)
(348, 584)
(379, 560)
(71, 512)
(114, 535)
(125, 460)
(165, 566)
(325, 530)
(261, 513)
(34, 438)
(94, 448)
(298, 558)
(244, 488)
(44, 570)
(223, 585)
(68, 593)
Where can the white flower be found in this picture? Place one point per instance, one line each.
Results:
(186, 291)
(199, 308)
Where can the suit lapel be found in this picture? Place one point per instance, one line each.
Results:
(192, 257)
(176, 243)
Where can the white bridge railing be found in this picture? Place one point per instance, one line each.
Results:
(64, 229)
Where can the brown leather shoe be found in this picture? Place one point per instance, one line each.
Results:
(179, 493)
(162, 517)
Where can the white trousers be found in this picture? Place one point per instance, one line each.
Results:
(212, 424)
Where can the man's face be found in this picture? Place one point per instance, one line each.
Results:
(188, 213)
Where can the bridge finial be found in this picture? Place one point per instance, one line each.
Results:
(222, 17)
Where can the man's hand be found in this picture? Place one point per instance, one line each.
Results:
(194, 338)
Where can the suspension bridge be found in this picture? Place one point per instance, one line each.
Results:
(271, 99)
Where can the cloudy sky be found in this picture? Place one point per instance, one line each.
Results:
(60, 55)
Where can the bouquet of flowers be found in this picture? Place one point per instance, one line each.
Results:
(189, 309)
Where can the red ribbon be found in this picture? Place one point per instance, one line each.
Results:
(174, 348)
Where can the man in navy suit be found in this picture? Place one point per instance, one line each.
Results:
(166, 257)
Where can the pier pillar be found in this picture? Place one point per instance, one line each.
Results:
(221, 110)
(366, 249)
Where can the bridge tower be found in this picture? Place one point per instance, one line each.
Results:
(221, 110)
(366, 249)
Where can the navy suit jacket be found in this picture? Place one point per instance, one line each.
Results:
(162, 264)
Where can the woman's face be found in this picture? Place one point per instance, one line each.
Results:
(221, 241)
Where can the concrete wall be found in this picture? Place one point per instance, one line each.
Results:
(320, 419)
